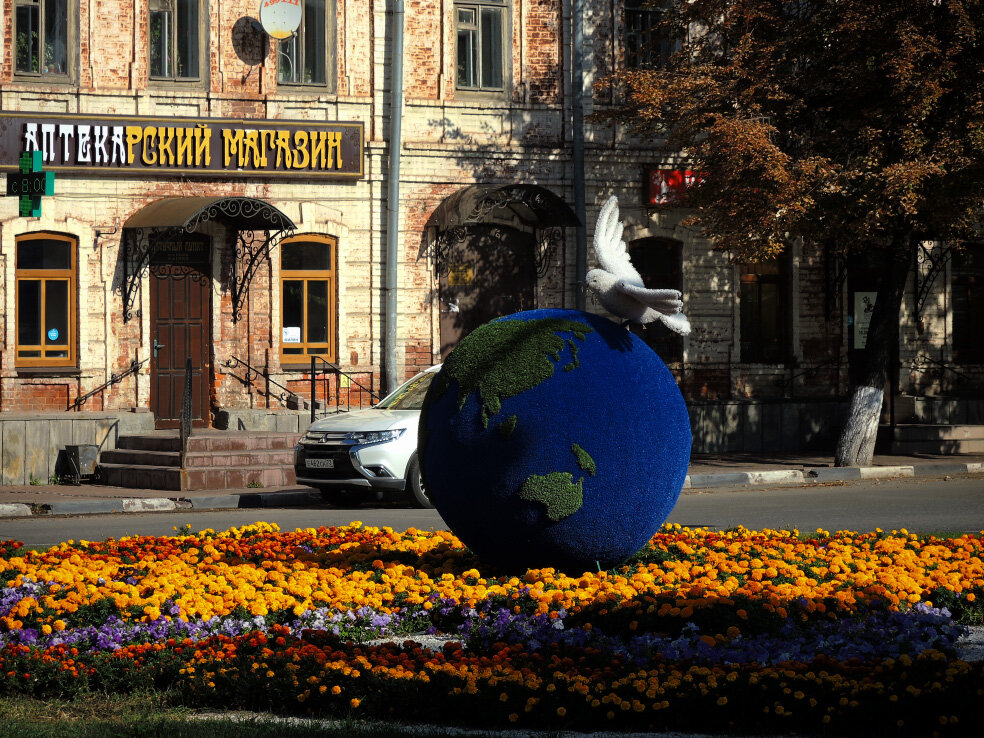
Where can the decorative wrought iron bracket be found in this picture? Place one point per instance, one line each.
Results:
(441, 248)
(137, 245)
(937, 258)
(547, 241)
(251, 250)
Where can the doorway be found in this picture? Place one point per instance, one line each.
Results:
(490, 274)
(180, 328)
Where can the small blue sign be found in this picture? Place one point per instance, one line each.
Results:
(53, 334)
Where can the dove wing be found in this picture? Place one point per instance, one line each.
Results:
(677, 323)
(609, 246)
(668, 302)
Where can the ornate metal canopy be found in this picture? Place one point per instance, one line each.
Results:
(525, 207)
(258, 226)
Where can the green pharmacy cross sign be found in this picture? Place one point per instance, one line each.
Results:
(30, 184)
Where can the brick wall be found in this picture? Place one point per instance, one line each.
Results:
(450, 141)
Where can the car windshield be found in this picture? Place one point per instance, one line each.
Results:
(410, 396)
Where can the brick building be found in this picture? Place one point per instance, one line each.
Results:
(222, 196)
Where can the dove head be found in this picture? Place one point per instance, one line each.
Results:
(598, 280)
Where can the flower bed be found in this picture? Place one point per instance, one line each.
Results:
(850, 633)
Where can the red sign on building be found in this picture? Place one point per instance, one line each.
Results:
(666, 186)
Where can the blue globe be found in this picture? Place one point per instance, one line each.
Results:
(554, 438)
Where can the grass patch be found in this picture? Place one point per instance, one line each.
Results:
(149, 715)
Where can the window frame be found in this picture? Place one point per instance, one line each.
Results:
(640, 36)
(71, 44)
(330, 276)
(505, 48)
(201, 77)
(754, 350)
(967, 345)
(666, 343)
(330, 61)
(45, 275)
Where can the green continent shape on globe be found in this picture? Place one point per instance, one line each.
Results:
(506, 357)
(556, 491)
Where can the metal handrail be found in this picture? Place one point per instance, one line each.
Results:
(113, 379)
(791, 382)
(942, 365)
(252, 373)
(331, 368)
(185, 418)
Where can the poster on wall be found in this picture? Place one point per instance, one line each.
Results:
(864, 305)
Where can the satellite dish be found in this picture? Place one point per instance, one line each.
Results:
(281, 18)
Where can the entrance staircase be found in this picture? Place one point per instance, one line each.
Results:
(213, 460)
(925, 438)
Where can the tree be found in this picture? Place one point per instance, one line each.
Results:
(853, 123)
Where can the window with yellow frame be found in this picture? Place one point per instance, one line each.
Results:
(47, 321)
(308, 298)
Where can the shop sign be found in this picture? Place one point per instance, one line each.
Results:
(666, 186)
(206, 147)
(29, 183)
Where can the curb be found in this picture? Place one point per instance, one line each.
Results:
(775, 477)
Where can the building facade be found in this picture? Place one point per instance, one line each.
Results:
(220, 212)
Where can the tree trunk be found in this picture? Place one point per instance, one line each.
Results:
(856, 445)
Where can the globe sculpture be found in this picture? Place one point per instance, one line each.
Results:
(554, 438)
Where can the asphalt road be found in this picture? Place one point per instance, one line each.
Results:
(927, 505)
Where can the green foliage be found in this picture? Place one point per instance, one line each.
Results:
(507, 426)
(506, 357)
(556, 491)
(584, 460)
(254, 484)
(847, 123)
(35, 481)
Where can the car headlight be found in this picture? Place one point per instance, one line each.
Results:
(364, 438)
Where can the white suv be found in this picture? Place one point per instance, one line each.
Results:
(367, 454)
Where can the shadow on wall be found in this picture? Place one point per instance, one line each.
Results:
(766, 426)
(32, 448)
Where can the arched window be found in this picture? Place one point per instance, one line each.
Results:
(764, 309)
(308, 304)
(659, 262)
(47, 321)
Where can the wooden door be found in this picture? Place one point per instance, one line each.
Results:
(181, 325)
(492, 273)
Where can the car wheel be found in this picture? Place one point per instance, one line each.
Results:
(415, 486)
(340, 497)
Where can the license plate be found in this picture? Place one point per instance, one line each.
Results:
(319, 463)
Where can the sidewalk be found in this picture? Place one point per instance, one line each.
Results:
(706, 471)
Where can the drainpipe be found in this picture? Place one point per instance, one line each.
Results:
(581, 242)
(392, 275)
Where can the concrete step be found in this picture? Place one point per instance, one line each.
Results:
(149, 442)
(140, 477)
(135, 457)
(925, 438)
(213, 460)
(260, 457)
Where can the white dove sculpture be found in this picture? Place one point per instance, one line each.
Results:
(618, 285)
